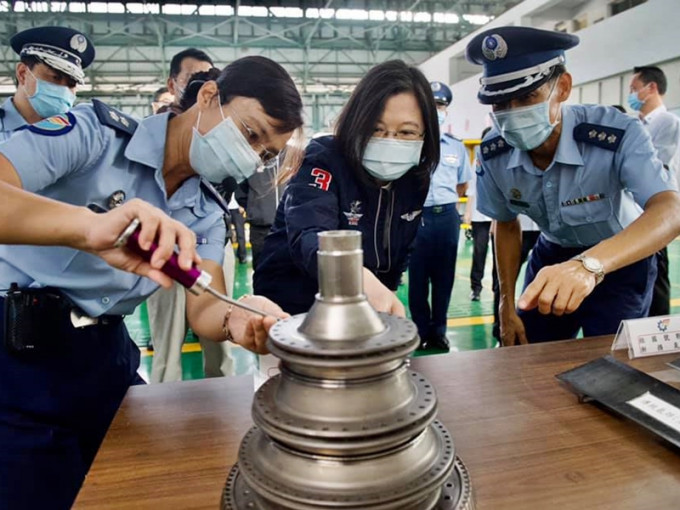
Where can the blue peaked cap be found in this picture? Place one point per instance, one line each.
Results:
(516, 60)
(62, 48)
(441, 92)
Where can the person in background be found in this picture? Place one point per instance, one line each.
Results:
(162, 98)
(182, 66)
(583, 173)
(432, 263)
(480, 226)
(372, 176)
(65, 369)
(259, 196)
(51, 63)
(647, 88)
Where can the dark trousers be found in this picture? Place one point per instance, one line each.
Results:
(480, 238)
(622, 295)
(529, 238)
(661, 298)
(257, 235)
(55, 410)
(239, 223)
(433, 265)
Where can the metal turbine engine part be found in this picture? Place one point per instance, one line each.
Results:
(346, 424)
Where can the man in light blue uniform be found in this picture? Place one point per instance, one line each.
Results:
(583, 174)
(66, 359)
(432, 263)
(51, 65)
(95, 157)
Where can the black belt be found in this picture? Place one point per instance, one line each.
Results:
(439, 209)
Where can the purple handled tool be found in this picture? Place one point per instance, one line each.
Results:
(194, 279)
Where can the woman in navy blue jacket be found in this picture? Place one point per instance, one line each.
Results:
(372, 176)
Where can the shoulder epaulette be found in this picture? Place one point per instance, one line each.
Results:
(606, 137)
(111, 117)
(210, 190)
(494, 147)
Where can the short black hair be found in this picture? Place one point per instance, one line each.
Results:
(362, 112)
(157, 95)
(194, 84)
(30, 61)
(619, 108)
(263, 79)
(176, 62)
(649, 74)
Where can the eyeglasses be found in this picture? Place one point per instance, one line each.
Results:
(402, 134)
(253, 136)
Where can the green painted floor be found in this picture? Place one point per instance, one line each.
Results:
(472, 328)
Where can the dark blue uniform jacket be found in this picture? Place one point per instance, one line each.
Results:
(326, 195)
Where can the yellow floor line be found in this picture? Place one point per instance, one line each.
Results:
(470, 321)
(192, 347)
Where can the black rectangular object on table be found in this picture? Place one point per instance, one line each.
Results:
(613, 384)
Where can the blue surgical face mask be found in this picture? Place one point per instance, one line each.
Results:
(527, 127)
(222, 152)
(49, 98)
(387, 159)
(441, 117)
(634, 100)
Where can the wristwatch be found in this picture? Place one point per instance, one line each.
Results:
(592, 265)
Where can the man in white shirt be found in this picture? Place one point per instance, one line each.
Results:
(647, 88)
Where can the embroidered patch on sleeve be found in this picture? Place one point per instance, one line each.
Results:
(322, 179)
(56, 125)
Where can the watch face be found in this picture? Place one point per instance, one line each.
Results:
(592, 264)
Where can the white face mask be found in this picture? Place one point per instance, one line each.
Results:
(222, 152)
(387, 159)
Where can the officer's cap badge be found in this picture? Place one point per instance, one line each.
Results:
(494, 47)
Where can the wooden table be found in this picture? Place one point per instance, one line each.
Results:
(526, 440)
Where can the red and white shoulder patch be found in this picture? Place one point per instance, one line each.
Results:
(322, 179)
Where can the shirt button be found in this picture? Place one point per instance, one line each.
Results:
(589, 218)
(106, 300)
(548, 184)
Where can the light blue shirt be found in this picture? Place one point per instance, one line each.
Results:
(453, 169)
(11, 120)
(85, 165)
(604, 171)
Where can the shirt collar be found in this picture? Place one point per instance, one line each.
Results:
(648, 118)
(12, 119)
(147, 147)
(567, 150)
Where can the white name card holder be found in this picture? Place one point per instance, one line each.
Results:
(649, 336)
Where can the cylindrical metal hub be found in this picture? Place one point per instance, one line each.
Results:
(346, 425)
(340, 262)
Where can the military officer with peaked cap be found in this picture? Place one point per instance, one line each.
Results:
(51, 66)
(583, 174)
(432, 263)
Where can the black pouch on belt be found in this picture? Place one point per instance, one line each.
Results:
(33, 318)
